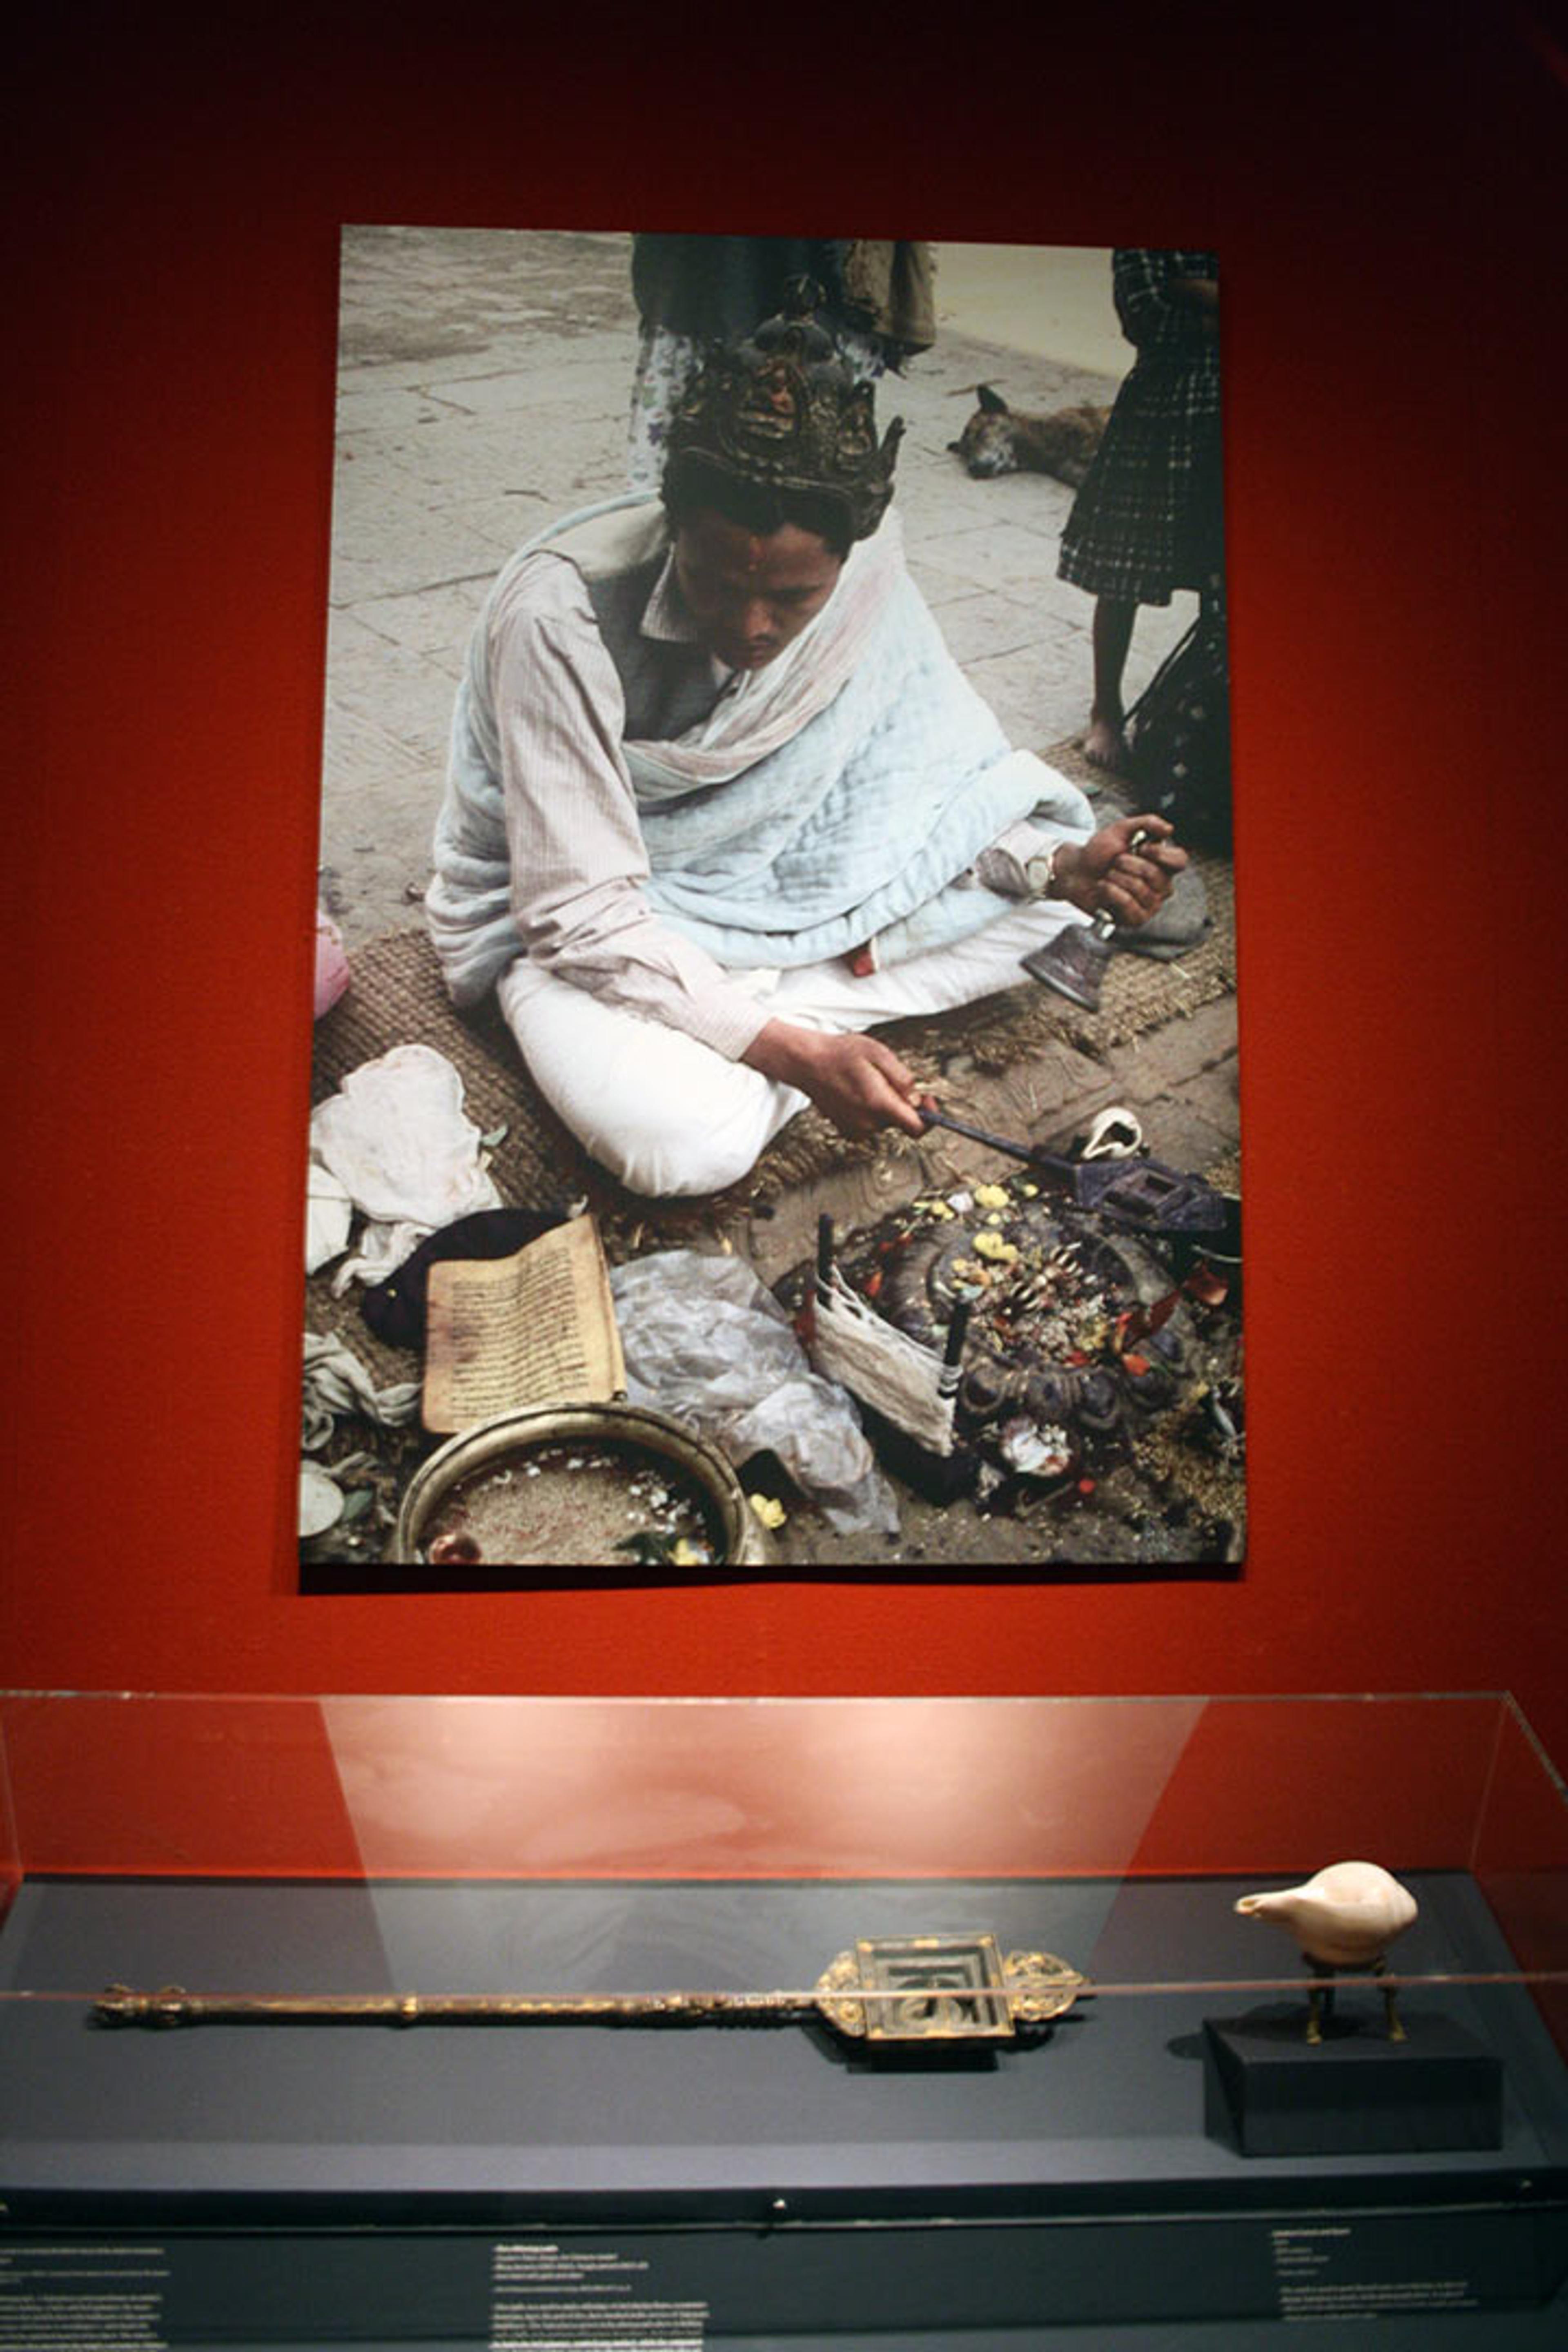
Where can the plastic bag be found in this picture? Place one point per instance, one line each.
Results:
(706, 1342)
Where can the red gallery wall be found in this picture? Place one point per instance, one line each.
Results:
(1385, 189)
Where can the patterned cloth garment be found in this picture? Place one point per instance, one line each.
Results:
(1149, 518)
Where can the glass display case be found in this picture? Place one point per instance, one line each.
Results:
(598, 2023)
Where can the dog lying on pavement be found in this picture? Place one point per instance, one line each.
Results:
(1002, 440)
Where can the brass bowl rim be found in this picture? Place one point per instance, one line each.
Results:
(517, 1429)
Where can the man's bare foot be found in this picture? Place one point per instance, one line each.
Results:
(1105, 746)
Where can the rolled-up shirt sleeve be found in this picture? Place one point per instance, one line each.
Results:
(1004, 866)
(578, 859)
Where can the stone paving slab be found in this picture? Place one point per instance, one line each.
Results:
(435, 621)
(982, 624)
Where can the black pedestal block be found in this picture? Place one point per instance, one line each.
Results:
(1270, 2092)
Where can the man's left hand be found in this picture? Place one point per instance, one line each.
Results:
(1106, 874)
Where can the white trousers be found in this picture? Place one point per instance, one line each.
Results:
(667, 1114)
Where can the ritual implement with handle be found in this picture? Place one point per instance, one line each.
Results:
(1141, 1195)
(903, 1988)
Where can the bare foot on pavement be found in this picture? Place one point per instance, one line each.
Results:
(1105, 745)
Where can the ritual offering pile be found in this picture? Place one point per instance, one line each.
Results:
(1062, 1342)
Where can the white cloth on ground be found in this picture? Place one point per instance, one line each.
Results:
(395, 1137)
(328, 1216)
(336, 1382)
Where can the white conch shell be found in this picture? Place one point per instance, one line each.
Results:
(1349, 1912)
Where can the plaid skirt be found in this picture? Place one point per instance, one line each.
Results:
(1149, 518)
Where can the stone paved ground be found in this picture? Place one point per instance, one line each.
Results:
(483, 387)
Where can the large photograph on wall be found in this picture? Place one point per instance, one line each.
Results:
(775, 1061)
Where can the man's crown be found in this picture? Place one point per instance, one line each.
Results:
(783, 410)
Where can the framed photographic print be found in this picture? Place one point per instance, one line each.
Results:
(776, 939)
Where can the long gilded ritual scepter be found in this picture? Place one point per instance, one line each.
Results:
(897, 1988)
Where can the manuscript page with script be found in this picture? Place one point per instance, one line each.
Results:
(535, 1328)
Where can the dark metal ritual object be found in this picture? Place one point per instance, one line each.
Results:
(1143, 1195)
(1074, 962)
(904, 1989)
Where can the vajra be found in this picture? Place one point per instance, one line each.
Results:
(901, 1989)
(1139, 1194)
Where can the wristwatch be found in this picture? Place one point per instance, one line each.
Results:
(1040, 872)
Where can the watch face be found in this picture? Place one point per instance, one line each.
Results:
(1038, 874)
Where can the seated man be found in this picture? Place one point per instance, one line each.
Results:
(720, 801)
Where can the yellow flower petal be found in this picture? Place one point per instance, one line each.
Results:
(991, 1196)
(992, 1246)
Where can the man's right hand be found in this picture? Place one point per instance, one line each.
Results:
(856, 1081)
(1109, 874)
